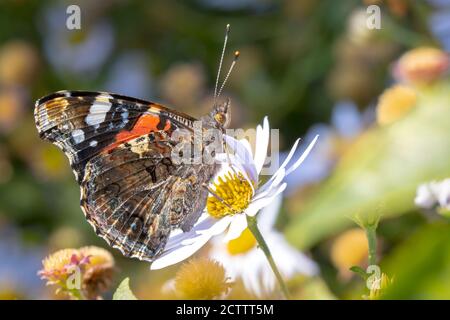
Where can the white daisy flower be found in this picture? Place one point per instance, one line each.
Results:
(238, 187)
(257, 276)
(79, 52)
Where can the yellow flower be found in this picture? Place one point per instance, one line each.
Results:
(201, 278)
(80, 273)
(18, 63)
(349, 249)
(379, 286)
(47, 162)
(12, 108)
(422, 65)
(10, 291)
(242, 244)
(395, 103)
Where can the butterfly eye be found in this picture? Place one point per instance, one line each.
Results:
(220, 118)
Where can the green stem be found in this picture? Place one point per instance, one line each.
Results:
(253, 227)
(372, 241)
(78, 295)
(74, 293)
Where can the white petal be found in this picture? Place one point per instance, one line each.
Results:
(268, 279)
(302, 157)
(290, 155)
(205, 224)
(219, 252)
(443, 194)
(281, 168)
(181, 253)
(218, 227)
(239, 149)
(293, 260)
(178, 237)
(424, 197)
(236, 164)
(286, 162)
(247, 146)
(182, 246)
(251, 281)
(237, 226)
(243, 157)
(262, 143)
(258, 204)
(270, 185)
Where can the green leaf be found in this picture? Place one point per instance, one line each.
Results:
(381, 171)
(420, 266)
(123, 291)
(360, 271)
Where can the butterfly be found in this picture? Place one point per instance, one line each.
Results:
(120, 149)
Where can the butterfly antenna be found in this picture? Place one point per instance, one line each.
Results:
(227, 32)
(236, 56)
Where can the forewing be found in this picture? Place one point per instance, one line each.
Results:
(83, 123)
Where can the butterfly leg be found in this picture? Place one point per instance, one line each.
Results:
(215, 195)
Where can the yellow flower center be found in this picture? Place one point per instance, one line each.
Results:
(235, 193)
(242, 244)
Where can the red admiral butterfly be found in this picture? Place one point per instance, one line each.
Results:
(132, 192)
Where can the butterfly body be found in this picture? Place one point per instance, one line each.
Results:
(121, 149)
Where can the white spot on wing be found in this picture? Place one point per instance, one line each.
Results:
(93, 143)
(124, 116)
(78, 136)
(97, 114)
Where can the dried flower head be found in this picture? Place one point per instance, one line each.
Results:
(56, 265)
(395, 103)
(99, 272)
(80, 273)
(201, 278)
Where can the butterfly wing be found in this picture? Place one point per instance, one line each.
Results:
(134, 195)
(120, 151)
(83, 123)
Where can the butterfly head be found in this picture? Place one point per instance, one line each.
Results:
(221, 114)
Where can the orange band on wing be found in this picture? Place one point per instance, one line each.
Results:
(146, 123)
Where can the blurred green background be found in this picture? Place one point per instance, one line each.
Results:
(311, 66)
